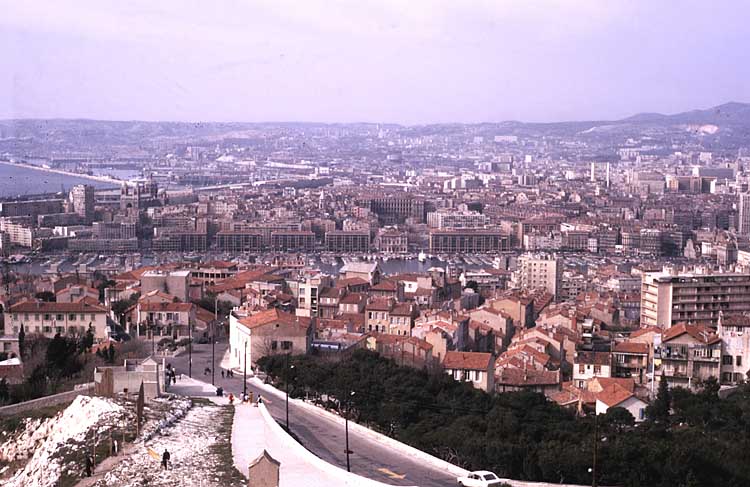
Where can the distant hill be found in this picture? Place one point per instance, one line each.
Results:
(732, 113)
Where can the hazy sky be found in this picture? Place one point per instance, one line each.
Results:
(408, 61)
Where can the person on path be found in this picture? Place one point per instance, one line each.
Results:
(222, 373)
(165, 460)
(89, 465)
(231, 398)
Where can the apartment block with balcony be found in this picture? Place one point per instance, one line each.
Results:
(631, 359)
(668, 298)
(689, 354)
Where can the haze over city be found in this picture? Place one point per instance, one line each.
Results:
(375, 61)
(373, 243)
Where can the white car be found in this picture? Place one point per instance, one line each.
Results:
(480, 478)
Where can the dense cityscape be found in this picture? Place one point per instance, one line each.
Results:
(430, 296)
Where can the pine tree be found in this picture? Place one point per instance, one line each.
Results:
(659, 408)
(21, 342)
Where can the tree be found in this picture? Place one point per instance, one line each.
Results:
(87, 341)
(21, 341)
(658, 410)
(46, 296)
(4, 390)
(618, 419)
(111, 354)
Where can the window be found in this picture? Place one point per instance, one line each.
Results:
(597, 369)
(59, 317)
(274, 345)
(739, 360)
(72, 317)
(26, 317)
(286, 345)
(726, 360)
(93, 317)
(83, 317)
(47, 329)
(59, 329)
(581, 368)
(15, 317)
(36, 317)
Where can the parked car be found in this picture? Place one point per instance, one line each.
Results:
(480, 478)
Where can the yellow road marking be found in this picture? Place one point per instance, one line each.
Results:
(391, 474)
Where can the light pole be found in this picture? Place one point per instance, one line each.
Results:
(190, 351)
(213, 341)
(244, 379)
(596, 445)
(346, 428)
(288, 368)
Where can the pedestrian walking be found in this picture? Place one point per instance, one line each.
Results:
(89, 465)
(222, 373)
(165, 460)
(231, 398)
(115, 447)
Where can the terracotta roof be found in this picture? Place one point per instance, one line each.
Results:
(82, 306)
(613, 395)
(268, 317)
(166, 306)
(593, 358)
(645, 330)
(531, 377)
(698, 332)
(467, 360)
(402, 310)
(736, 320)
(353, 298)
(631, 347)
(380, 304)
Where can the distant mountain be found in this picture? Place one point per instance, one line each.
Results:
(732, 113)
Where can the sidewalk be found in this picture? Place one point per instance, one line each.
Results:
(108, 465)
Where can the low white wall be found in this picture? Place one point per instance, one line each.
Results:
(402, 448)
(342, 476)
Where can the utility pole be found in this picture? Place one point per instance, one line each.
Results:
(346, 428)
(213, 341)
(288, 369)
(244, 379)
(190, 351)
(596, 446)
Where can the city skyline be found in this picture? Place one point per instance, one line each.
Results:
(385, 62)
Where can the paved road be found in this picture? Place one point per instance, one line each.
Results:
(323, 436)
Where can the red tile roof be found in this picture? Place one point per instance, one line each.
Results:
(83, 306)
(467, 360)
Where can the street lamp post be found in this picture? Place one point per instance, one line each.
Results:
(190, 351)
(596, 446)
(346, 428)
(244, 379)
(213, 342)
(288, 368)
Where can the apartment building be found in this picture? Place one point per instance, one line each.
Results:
(690, 354)
(540, 271)
(345, 242)
(468, 241)
(31, 208)
(303, 240)
(239, 241)
(49, 319)
(452, 219)
(669, 298)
